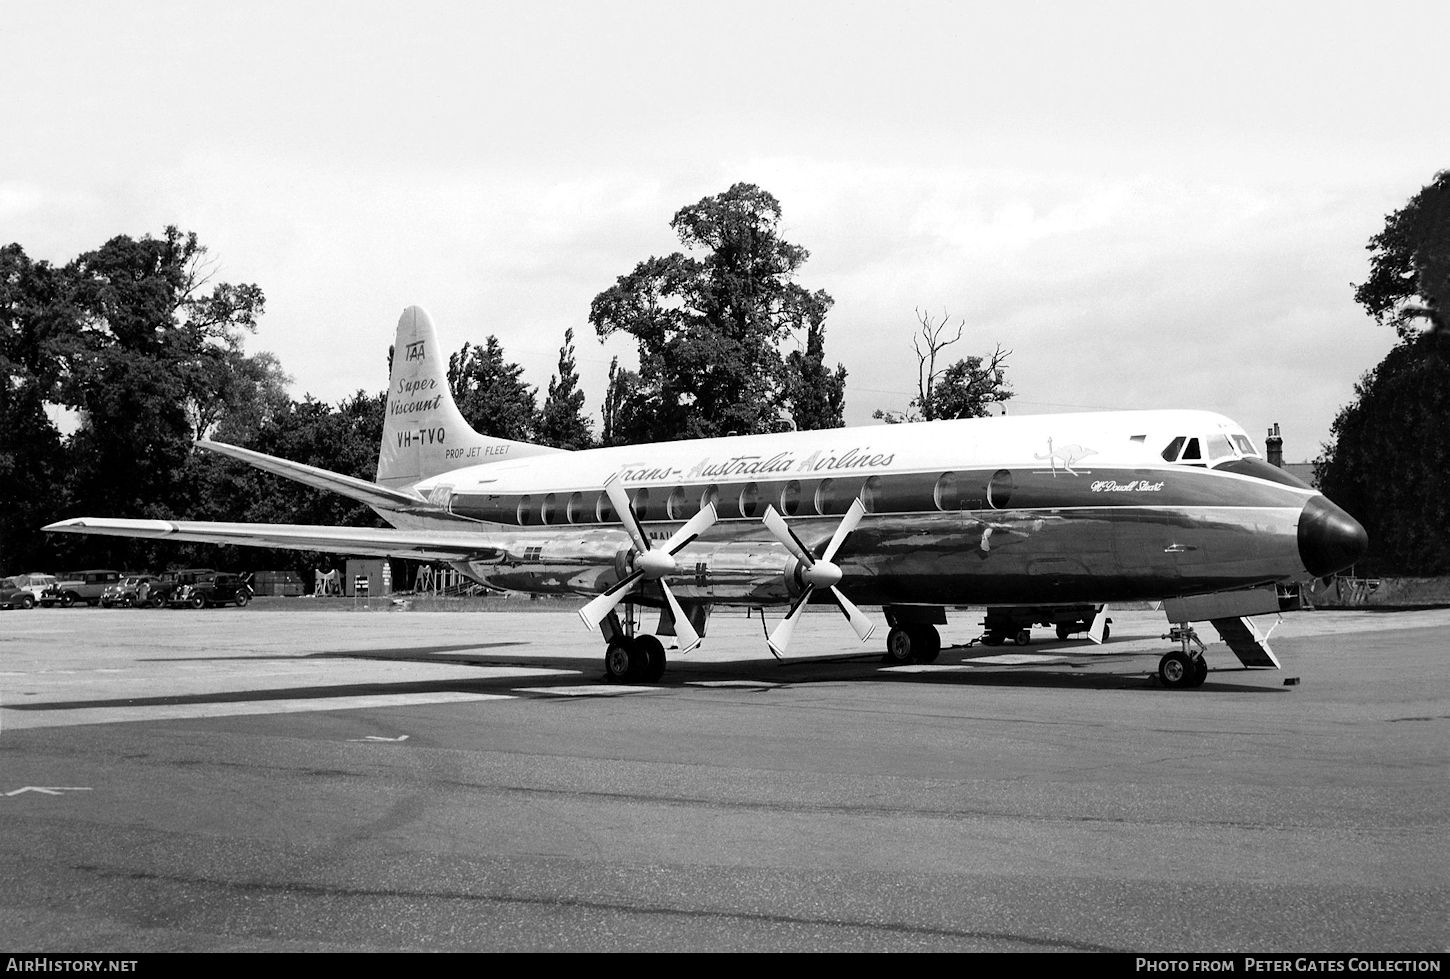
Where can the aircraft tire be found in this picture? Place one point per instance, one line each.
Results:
(1200, 671)
(1064, 630)
(1023, 637)
(1177, 671)
(652, 654)
(619, 660)
(925, 643)
(900, 645)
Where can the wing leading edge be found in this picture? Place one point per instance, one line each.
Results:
(432, 545)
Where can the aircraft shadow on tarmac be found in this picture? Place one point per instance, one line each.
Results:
(959, 665)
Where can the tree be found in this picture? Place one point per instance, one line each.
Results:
(709, 329)
(1389, 464)
(964, 389)
(490, 394)
(561, 421)
(130, 335)
(35, 325)
(1389, 456)
(1409, 281)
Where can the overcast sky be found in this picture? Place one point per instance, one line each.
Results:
(1151, 205)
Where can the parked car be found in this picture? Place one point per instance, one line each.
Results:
(219, 588)
(134, 589)
(164, 589)
(38, 583)
(14, 596)
(83, 586)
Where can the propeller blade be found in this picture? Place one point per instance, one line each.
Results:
(684, 630)
(619, 499)
(594, 612)
(778, 528)
(696, 526)
(848, 523)
(780, 636)
(859, 620)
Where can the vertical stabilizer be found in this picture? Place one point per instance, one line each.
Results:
(424, 434)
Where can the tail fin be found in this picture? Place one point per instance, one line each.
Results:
(424, 434)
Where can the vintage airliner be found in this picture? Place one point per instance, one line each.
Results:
(1042, 519)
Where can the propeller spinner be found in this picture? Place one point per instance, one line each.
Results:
(650, 564)
(816, 573)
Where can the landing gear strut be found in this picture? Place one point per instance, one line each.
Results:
(1185, 667)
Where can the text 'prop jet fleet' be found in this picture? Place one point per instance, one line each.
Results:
(1042, 519)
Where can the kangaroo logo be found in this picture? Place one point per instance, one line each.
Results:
(1066, 455)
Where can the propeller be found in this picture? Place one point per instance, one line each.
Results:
(816, 573)
(650, 564)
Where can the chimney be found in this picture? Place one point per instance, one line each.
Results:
(1274, 447)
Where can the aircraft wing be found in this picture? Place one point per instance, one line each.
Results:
(388, 542)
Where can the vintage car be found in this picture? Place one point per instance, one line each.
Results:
(39, 584)
(161, 592)
(12, 595)
(134, 589)
(217, 588)
(73, 587)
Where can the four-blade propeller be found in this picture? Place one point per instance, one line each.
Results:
(650, 564)
(816, 573)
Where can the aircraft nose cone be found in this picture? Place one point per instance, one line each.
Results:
(1330, 540)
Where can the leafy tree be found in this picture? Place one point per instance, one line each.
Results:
(561, 421)
(1389, 457)
(964, 389)
(35, 324)
(490, 394)
(628, 412)
(709, 329)
(1389, 464)
(1410, 260)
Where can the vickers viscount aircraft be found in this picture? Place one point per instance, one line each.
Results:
(1043, 519)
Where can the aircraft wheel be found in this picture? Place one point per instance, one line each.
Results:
(625, 660)
(925, 643)
(993, 639)
(1200, 671)
(1024, 637)
(1064, 630)
(900, 645)
(1177, 671)
(1107, 631)
(652, 652)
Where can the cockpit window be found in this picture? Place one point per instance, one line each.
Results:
(1192, 451)
(1170, 454)
(1246, 447)
(1219, 447)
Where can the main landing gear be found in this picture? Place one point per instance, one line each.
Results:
(1185, 667)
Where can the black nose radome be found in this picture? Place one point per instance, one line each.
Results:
(1330, 540)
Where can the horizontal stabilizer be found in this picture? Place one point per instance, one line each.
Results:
(349, 486)
(1243, 637)
(363, 541)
